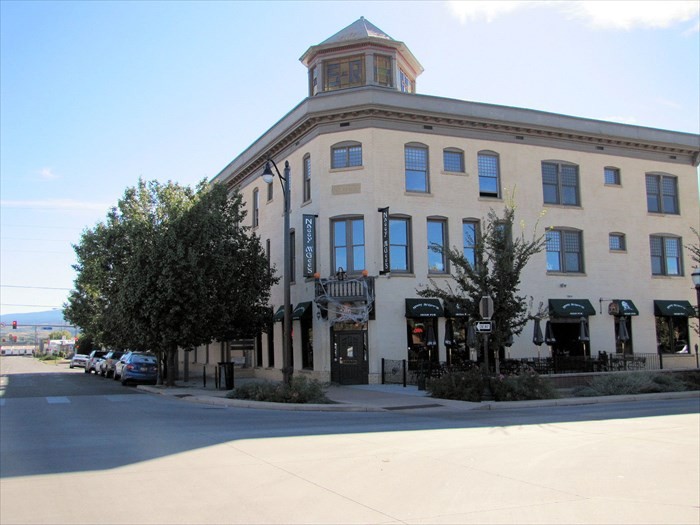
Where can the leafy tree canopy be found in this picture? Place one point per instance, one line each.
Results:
(171, 267)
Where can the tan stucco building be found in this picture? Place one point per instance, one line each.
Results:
(377, 168)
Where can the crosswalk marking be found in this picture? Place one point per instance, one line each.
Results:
(56, 400)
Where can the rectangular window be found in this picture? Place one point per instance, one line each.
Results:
(564, 251)
(662, 194)
(344, 73)
(617, 242)
(665, 255)
(346, 156)
(307, 179)
(313, 81)
(407, 85)
(416, 169)
(256, 208)
(437, 240)
(383, 74)
(612, 176)
(488, 175)
(470, 230)
(453, 161)
(400, 245)
(560, 184)
(349, 245)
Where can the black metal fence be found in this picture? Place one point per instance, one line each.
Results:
(398, 371)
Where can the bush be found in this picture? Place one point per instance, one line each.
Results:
(301, 390)
(462, 386)
(632, 383)
(526, 385)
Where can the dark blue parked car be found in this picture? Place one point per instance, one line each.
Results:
(138, 368)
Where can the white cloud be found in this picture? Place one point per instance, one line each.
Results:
(47, 174)
(56, 204)
(611, 14)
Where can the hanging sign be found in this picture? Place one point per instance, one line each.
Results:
(386, 253)
(309, 245)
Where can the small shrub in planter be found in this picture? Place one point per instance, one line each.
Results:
(631, 383)
(462, 386)
(526, 385)
(301, 390)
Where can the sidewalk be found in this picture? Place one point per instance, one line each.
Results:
(380, 398)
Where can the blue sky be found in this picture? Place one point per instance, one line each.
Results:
(94, 95)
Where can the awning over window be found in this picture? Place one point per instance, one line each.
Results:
(570, 308)
(622, 307)
(301, 309)
(673, 309)
(421, 308)
(454, 310)
(279, 315)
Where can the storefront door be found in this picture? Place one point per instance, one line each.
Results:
(349, 357)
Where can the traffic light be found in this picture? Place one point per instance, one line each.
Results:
(14, 325)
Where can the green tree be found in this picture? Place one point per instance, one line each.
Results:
(172, 267)
(60, 334)
(500, 256)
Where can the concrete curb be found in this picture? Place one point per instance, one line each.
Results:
(222, 401)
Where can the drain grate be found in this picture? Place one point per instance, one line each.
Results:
(182, 395)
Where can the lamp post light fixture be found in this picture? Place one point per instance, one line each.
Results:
(268, 176)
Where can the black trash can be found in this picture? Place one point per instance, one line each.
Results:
(226, 373)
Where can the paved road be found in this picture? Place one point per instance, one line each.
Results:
(65, 435)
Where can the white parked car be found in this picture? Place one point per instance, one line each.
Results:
(79, 360)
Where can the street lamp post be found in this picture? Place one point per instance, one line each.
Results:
(268, 176)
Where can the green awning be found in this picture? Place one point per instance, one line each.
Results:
(454, 310)
(673, 309)
(279, 315)
(622, 307)
(570, 308)
(421, 308)
(301, 309)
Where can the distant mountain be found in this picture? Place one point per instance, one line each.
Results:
(47, 318)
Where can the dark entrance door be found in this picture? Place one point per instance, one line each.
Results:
(349, 365)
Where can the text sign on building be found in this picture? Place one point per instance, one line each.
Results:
(483, 327)
(386, 249)
(309, 245)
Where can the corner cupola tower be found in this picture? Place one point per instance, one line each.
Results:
(361, 55)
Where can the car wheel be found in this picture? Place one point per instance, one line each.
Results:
(124, 382)
(86, 371)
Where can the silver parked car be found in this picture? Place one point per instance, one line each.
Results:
(94, 361)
